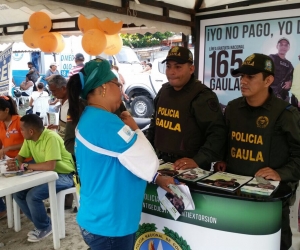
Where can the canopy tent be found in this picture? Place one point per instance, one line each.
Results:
(138, 16)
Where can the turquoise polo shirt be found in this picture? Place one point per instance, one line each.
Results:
(50, 146)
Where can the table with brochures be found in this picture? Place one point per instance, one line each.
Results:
(221, 220)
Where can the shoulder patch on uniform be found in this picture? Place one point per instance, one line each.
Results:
(69, 118)
(213, 104)
(126, 133)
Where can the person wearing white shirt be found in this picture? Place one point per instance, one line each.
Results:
(36, 94)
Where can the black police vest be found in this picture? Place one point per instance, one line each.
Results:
(176, 129)
(251, 134)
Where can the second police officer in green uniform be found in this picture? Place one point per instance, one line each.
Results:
(263, 133)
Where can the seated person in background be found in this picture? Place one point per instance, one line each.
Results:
(35, 95)
(52, 71)
(48, 150)
(11, 138)
(26, 86)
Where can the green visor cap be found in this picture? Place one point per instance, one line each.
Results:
(97, 72)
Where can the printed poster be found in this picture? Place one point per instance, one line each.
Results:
(5, 73)
(224, 46)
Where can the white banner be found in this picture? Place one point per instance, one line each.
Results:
(5, 73)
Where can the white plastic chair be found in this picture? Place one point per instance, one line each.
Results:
(17, 99)
(41, 105)
(61, 208)
(26, 98)
(38, 81)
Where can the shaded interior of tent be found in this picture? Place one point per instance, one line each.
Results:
(138, 16)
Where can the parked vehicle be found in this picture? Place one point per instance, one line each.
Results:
(142, 88)
(165, 48)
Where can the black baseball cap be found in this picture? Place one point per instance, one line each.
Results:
(254, 64)
(283, 38)
(180, 55)
(79, 57)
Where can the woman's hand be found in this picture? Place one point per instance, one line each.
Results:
(164, 182)
(128, 120)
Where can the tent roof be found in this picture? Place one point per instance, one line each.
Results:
(138, 16)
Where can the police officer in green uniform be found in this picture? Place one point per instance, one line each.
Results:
(187, 127)
(263, 133)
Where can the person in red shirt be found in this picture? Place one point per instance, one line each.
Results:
(11, 138)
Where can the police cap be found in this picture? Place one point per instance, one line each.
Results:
(254, 64)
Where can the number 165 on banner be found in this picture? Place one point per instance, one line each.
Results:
(223, 62)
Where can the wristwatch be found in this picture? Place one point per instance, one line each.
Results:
(24, 166)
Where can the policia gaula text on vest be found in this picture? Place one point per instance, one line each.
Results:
(245, 153)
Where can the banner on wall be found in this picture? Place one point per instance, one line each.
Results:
(66, 61)
(5, 60)
(224, 46)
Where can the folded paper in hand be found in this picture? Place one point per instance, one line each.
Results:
(178, 202)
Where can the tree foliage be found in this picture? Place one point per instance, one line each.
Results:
(147, 40)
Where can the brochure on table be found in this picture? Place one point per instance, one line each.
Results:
(192, 175)
(258, 188)
(224, 181)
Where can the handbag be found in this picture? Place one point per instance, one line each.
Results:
(17, 93)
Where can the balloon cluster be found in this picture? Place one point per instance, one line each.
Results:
(100, 36)
(38, 35)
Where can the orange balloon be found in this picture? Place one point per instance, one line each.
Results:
(114, 44)
(110, 27)
(31, 38)
(60, 42)
(85, 24)
(40, 21)
(93, 42)
(48, 42)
